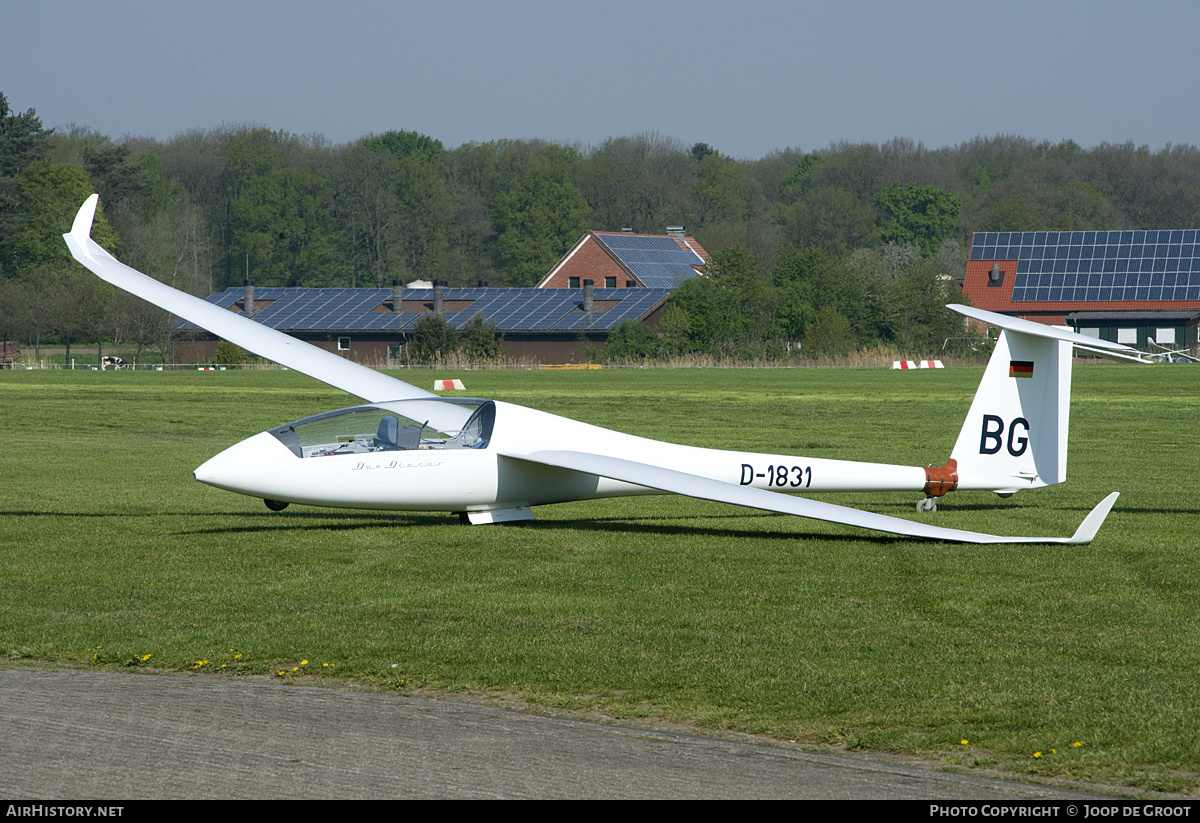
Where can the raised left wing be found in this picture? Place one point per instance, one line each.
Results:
(676, 482)
(274, 345)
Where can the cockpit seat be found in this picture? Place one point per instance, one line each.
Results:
(385, 438)
(392, 436)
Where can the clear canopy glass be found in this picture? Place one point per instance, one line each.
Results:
(381, 427)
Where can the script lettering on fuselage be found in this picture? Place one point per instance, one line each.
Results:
(395, 464)
(778, 475)
(992, 437)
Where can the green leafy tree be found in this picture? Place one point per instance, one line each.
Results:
(250, 155)
(629, 341)
(22, 140)
(539, 219)
(50, 194)
(406, 144)
(392, 198)
(675, 330)
(924, 215)
(231, 354)
(790, 187)
(433, 340)
(804, 276)
(829, 335)
(644, 182)
(721, 192)
(283, 229)
(471, 181)
(829, 219)
(730, 311)
(923, 321)
(481, 340)
(368, 207)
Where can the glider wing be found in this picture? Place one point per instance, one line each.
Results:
(274, 345)
(669, 480)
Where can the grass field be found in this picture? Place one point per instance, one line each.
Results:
(1074, 662)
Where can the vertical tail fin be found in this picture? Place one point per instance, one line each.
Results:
(1015, 435)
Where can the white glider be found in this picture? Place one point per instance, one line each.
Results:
(491, 462)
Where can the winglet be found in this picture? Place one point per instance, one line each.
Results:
(1092, 523)
(80, 237)
(81, 229)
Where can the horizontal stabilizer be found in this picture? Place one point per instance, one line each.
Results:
(1017, 324)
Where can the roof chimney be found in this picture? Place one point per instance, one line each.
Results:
(248, 297)
(589, 302)
(676, 231)
(397, 295)
(437, 296)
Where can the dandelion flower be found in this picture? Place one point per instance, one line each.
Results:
(964, 741)
(1076, 745)
(1037, 754)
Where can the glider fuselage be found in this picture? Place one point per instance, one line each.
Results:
(352, 468)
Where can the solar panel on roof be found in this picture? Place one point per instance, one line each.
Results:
(1099, 266)
(659, 262)
(350, 310)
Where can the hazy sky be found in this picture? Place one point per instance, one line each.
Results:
(745, 78)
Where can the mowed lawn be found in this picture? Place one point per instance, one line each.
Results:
(1059, 661)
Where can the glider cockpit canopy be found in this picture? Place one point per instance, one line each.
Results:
(397, 425)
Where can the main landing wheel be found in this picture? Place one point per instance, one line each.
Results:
(928, 504)
(275, 505)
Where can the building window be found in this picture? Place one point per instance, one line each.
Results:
(631, 284)
(1165, 336)
(395, 352)
(572, 282)
(1127, 336)
(343, 344)
(610, 282)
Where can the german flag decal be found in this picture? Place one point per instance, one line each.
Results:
(1020, 368)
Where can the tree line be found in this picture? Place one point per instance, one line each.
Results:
(843, 247)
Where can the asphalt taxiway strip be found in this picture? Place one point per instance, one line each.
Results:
(99, 735)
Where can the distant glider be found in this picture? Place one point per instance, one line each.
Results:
(490, 462)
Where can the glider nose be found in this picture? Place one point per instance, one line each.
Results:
(245, 466)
